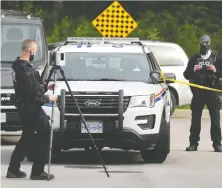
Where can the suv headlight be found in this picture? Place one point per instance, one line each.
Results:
(142, 101)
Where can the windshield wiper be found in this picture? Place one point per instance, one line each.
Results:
(108, 79)
(100, 79)
(68, 79)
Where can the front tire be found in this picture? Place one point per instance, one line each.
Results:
(162, 148)
(173, 103)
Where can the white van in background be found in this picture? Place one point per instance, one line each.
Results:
(172, 58)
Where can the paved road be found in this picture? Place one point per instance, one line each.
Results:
(182, 169)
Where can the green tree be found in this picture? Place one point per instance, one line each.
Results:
(178, 22)
(27, 6)
(84, 28)
(188, 39)
(61, 30)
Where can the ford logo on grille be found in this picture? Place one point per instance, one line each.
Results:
(92, 103)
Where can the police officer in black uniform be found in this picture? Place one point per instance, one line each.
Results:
(29, 93)
(204, 68)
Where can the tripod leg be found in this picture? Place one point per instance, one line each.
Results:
(84, 122)
(50, 74)
(51, 130)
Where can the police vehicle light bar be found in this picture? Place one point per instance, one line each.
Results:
(78, 39)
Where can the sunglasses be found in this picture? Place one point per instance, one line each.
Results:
(204, 42)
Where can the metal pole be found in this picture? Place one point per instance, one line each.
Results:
(51, 129)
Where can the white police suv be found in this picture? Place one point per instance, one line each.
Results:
(120, 92)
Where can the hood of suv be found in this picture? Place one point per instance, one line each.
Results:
(129, 88)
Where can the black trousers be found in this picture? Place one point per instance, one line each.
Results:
(212, 101)
(35, 138)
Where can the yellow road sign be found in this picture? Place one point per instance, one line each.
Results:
(114, 21)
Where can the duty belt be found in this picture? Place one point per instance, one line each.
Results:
(21, 104)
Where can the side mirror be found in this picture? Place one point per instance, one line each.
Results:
(170, 76)
(157, 78)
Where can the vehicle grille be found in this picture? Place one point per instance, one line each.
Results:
(9, 110)
(7, 99)
(108, 104)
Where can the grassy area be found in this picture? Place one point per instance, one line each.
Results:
(186, 107)
(183, 107)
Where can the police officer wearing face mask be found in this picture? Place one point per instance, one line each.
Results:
(29, 94)
(205, 68)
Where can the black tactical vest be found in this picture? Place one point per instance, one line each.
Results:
(204, 76)
(18, 67)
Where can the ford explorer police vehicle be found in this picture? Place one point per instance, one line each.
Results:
(17, 26)
(120, 92)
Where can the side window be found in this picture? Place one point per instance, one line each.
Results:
(12, 36)
(40, 44)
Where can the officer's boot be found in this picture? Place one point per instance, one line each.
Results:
(217, 148)
(15, 174)
(42, 176)
(192, 147)
(38, 173)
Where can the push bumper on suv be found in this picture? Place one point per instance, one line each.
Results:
(138, 130)
(10, 120)
(127, 139)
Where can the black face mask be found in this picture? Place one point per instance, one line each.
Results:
(204, 49)
(31, 57)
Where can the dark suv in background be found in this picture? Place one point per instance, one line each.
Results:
(17, 26)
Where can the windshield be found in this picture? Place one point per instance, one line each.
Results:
(106, 66)
(12, 36)
(166, 56)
